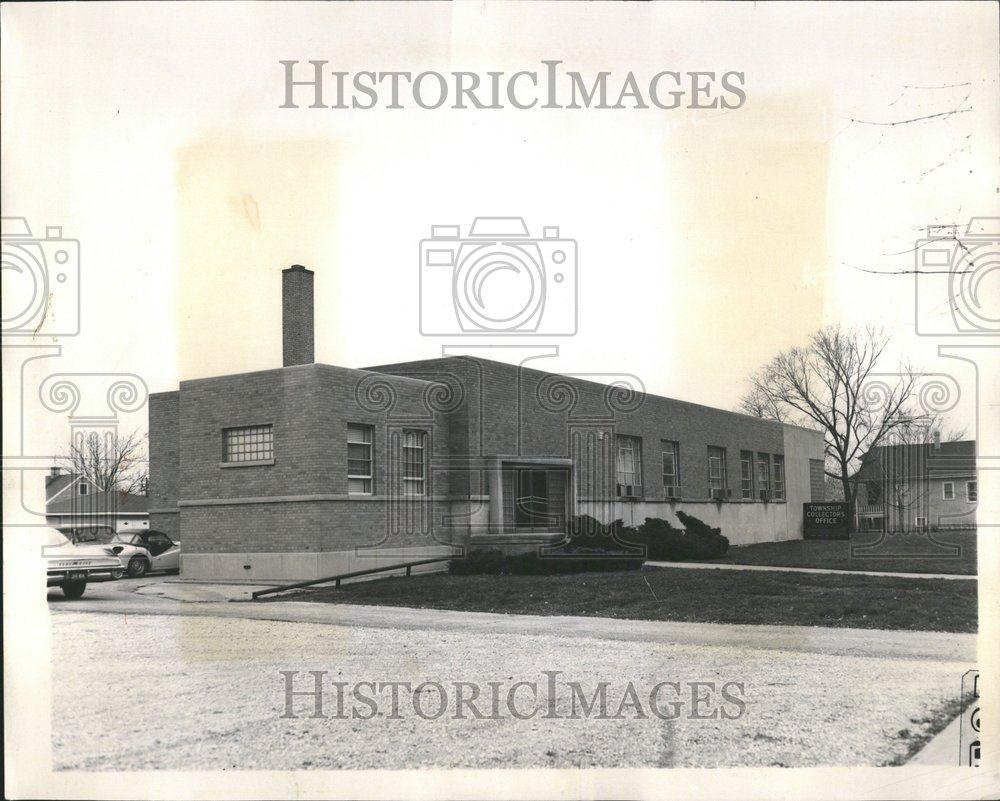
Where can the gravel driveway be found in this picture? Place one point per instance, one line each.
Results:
(192, 692)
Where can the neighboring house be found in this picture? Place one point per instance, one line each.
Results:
(76, 505)
(309, 470)
(919, 486)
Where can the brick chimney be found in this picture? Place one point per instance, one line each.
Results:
(297, 315)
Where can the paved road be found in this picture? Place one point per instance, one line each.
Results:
(197, 685)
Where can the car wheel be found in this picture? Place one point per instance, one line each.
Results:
(117, 574)
(137, 567)
(74, 589)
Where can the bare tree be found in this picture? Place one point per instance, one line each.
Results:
(109, 462)
(836, 384)
(761, 404)
(834, 490)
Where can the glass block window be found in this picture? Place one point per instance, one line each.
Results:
(779, 477)
(248, 444)
(746, 475)
(717, 478)
(764, 475)
(414, 461)
(628, 466)
(671, 452)
(360, 459)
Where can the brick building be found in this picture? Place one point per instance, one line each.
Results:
(918, 486)
(310, 469)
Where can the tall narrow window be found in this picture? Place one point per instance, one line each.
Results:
(248, 444)
(972, 491)
(779, 477)
(746, 475)
(764, 476)
(629, 467)
(671, 468)
(948, 491)
(360, 463)
(414, 464)
(717, 479)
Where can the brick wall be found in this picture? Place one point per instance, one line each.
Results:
(297, 339)
(817, 480)
(308, 508)
(516, 410)
(164, 461)
(472, 409)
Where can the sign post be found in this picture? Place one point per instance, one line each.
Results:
(825, 521)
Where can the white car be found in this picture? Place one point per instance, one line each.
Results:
(142, 552)
(70, 566)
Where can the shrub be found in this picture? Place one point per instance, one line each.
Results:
(711, 543)
(664, 542)
(585, 531)
(590, 547)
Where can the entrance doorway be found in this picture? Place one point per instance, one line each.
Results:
(535, 499)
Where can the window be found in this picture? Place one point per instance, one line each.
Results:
(83, 488)
(746, 475)
(972, 491)
(629, 467)
(248, 444)
(717, 479)
(764, 476)
(948, 491)
(359, 459)
(920, 522)
(671, 452)
(414, 470)
(779, 477)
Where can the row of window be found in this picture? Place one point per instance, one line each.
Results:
(971, 491)
(762, 475)
(947, 491)
(251, 444)
(361, 460)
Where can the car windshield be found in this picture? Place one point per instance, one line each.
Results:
(53, 538)
(123, 539)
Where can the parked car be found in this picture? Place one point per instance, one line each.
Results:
(142, 552)
(70, 566)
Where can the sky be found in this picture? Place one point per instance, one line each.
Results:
(707, 239)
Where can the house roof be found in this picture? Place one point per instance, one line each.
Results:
(122, 503)
(923, 459)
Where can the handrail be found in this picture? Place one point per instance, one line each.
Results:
(353, 574)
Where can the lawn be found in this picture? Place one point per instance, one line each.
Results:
(948, 552)
(711, 596)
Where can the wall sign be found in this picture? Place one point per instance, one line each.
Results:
(825, 521)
